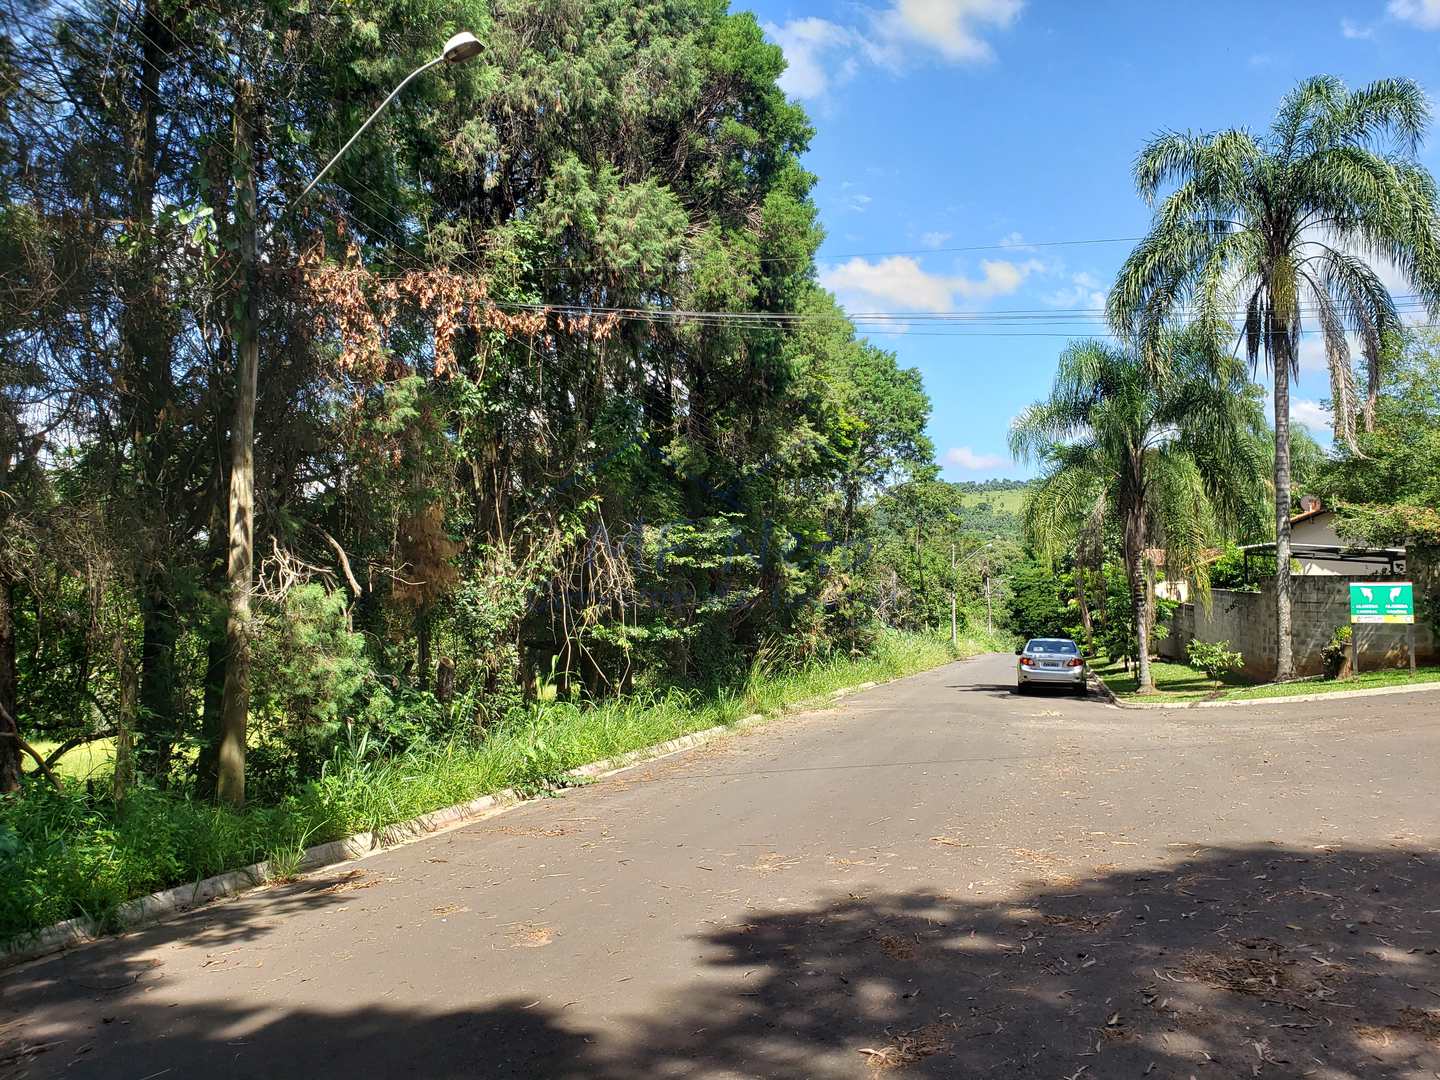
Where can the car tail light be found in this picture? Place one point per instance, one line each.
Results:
(1076, 662)
(1025, 661)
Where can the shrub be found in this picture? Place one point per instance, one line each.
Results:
(1215, 658)
(1336, 653)
(310, 675)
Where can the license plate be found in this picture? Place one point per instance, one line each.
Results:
(1050, 663)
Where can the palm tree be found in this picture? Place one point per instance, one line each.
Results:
(1170, 450)
(1288, 225)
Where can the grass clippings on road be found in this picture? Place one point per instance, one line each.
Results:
(908, 1048)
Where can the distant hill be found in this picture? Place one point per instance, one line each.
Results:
(995, 484)
(992, 507)
(1001, 495)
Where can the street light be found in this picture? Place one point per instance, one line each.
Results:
(240, 565)
(463, 46)
(955, 586)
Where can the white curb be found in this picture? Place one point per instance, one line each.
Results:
(1287, 699)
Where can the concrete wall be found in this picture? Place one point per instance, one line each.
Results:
(1319, 605)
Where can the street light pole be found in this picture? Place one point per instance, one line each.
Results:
(955, 587)
(245, 332)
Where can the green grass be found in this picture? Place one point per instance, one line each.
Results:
(1174, 682)
(1179, 683)
(65, 854)
(1366, 680)
(80, 763)
(1008, 499)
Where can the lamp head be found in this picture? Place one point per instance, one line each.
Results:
(463, 46)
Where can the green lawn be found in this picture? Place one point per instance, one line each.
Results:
(1179, 682)
(1175, 682)
(1366, 680)
(81, 763)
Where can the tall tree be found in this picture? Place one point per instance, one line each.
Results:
(1172, 450)
(1292, 225)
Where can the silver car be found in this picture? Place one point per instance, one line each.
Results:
(1050, 662)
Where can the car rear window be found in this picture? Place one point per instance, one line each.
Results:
(1067, 648)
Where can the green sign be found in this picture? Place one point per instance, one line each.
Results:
(1382, 602)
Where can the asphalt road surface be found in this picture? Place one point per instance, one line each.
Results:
(935, 877)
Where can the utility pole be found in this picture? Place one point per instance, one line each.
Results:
(245, 328)
(989, 607)
(954, 587)
(240, 567)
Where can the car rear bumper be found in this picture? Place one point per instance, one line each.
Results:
(1038, 676)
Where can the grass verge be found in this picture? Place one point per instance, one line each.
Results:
(64, 854)
(1173, 682)
(1178, 683)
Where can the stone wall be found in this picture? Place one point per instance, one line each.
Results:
(1318, 606)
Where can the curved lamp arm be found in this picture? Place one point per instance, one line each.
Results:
(463, 46)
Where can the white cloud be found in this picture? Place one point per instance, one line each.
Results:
(900, 283)
(1313, 358)
(951, 28)
(857, 203)
(1353, 30)
(964, 458)
(1015, 240)
(1260, 60)
(1422, 13)
(1312, 414)
(934, 239)
(1084, 291)
(821, 55)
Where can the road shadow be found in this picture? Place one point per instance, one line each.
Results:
(1009, 691)
(996, 690)
(1265, 961)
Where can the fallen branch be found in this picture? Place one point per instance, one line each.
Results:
(79, 740)
(344, 564)
(25, 746)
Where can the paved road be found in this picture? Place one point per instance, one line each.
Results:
(936, 875)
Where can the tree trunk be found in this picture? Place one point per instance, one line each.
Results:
(445, 680)
(1372, 389)
(1140, 595)
(1284, 656)
(124, 715)
(9, 691)
(156, 718)
(148, 399)
(235, 708)
(207, 765)
(422, 643)
(1083, 602)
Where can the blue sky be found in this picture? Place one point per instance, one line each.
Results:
(1011, 125)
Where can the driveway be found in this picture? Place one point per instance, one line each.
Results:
(936, 876)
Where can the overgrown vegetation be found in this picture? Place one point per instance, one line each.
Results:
(1215, 658)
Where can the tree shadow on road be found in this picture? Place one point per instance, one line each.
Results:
(1267, 961)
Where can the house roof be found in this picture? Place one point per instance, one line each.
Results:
(1306, 515)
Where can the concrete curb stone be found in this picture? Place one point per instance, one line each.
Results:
(1287, 699)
